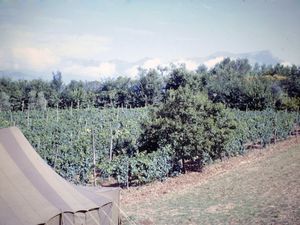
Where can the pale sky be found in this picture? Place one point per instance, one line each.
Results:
(81, 37)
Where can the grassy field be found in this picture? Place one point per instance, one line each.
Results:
(263, 191)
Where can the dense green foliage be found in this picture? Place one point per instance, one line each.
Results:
(64, 138)
(234, 83)
(192, 125)
(260, 127)
(146, 129)
(139, 169)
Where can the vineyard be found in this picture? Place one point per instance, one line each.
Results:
(66, 138)
(82, 143)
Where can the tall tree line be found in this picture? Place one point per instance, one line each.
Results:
(234, 83)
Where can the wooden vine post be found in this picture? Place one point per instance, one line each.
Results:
(57, 112)
(297, 124)
(94, 157)
(275, 130)
(111, 142)
(28, 116)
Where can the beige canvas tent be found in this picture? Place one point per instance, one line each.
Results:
(31, 193)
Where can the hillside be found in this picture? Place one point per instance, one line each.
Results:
(261, 187)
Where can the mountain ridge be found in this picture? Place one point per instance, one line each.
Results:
(126, 68)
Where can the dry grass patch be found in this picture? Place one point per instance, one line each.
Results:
(260, 187)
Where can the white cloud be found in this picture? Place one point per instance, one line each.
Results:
(189, 64)
(33, 58)
(212, 62)
(151, 63)
(24, 49)
(103, 70)
(90, 72)
(286, 63)
(107, 68)
(148, 64)
(79, 46)
(133, 71)
(155, 62)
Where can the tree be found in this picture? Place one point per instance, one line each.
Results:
(259, 94)
(122, 91)
(202, 69)
(74, 94)
(181, 78)
(57, 83)
(56, 89)
(149, 88)
(14, 89)
(107, 93)
(32, 99)
(177, 78)
(234, 84)
(41, 102)
(4, 102)
(192, 125)
(292, 84)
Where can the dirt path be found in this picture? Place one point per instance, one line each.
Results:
(185, 182)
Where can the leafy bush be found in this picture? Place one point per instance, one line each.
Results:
(139, 169)
(191, 125)
(261, 127)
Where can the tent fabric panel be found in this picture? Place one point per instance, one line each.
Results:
(76, 201)
(66, 191)
(30, 182)
(15, 201)
(27, 204)
(32, 173)
(93, 217)
(55, 221)
(114, 195)
(105, 213)
(8, 215)
(79, 218)
(89, 192)
(68, 218)
(111, 193)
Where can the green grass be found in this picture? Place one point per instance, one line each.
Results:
(261, 192)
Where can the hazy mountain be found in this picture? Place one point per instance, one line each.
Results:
(17, 75)
(121, 67)
(261, 57)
